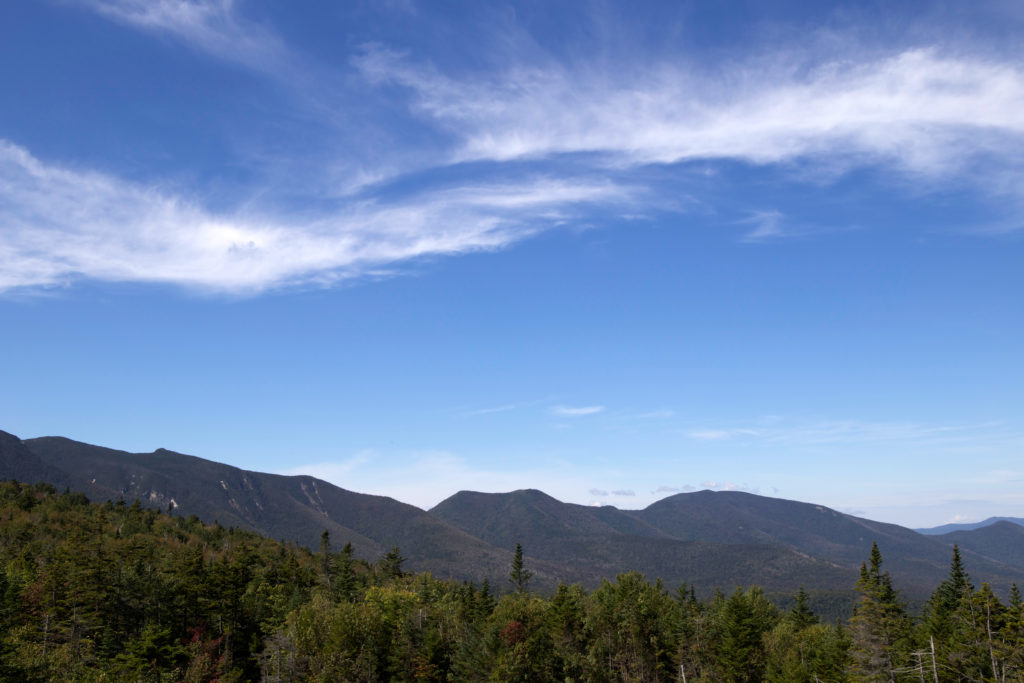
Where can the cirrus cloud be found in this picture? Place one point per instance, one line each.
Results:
(61, 223)
(576, 411)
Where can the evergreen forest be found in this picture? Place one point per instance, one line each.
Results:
(119, 592)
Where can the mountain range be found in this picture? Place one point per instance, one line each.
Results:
(707, 539)
(969, 526)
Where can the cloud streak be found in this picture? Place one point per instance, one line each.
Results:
(578, 411)
(919, 109)
(792, 431)
(210, 26)
(426, 478)
(922, 111)
(60, 224)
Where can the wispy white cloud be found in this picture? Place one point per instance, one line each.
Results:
(767, 225)
(490, 411)
(823, 431)
(919, 109)
(578, 411)
(598, 492)
(336, 472)
(61, 223)
(624, 492)
(710, 434)
(725, 486)
(428, 477)
(211, 26)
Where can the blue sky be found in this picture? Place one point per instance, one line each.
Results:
(605, 250)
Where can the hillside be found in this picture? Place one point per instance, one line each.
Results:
(715, 534)
(1002, 542)
(707, 539)
(916, 562)
(297, 508)
(611, 541)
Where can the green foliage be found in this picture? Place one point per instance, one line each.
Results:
(634, 627)
(742, 622)
(119, 592)
(879, 626)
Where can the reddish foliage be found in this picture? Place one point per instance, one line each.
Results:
(514, 632)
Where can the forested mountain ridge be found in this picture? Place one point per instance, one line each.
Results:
(916, 561)
(613, 540)
(1002, 541)
(297, 508)
(818, 546)
(708, 539)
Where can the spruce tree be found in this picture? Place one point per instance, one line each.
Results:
(391, 564)
(345, 585)
(801, 614)
(879, 624)
(939, 623)
(518, 575)
(324, 555)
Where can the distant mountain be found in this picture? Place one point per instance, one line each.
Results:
(706, 538)
(809, 544)
(916, 562)
(1002, 541)
(948, 528)
(607, 541)
(533, 518)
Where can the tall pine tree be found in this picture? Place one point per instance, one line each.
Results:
(879, 624)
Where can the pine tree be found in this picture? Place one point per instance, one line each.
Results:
(518, 575)
(486, 601)
(324, 555)
(745, 619)
(1013, 634)
(345, 584)
(801, 614)
(941, 621)
(391, 564)
(879, 624)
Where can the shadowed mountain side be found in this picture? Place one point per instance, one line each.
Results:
(18, 462)
(534, 518)
(1002, 542)
(813, 545)
(698, 563)
(604, 541)
(296, 508)
(706, 538)
(916, 562)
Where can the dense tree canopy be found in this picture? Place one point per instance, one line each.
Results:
(115, 592)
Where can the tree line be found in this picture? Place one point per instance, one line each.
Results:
(119, 592)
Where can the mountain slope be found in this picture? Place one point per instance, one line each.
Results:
(533, 517)
(295, 508)
(801, 542)
(705, 538)
(609, 541)
(1002, 542)
(916, 562)
(18, 462)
